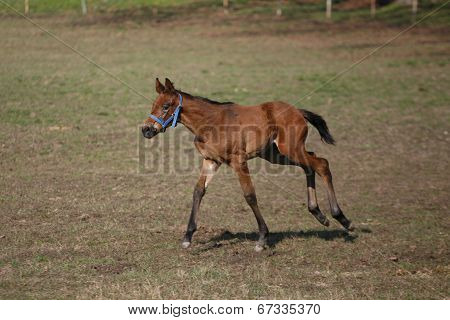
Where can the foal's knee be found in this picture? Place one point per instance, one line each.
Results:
(251, 199)
(199, 192)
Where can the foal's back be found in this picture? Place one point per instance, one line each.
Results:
(274, 113)
(251, 128)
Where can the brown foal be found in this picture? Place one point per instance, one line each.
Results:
(229, 133)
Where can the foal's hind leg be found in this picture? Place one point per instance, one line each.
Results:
(313, 206)
(321, 166)
(297, 153)
(273, 155)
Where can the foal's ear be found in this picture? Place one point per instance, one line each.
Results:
(159, 87)
(169, 85)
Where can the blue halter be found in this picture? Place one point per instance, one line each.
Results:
(173, 118)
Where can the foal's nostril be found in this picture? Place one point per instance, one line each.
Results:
(148, 132)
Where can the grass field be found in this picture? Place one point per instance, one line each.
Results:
(79, 221)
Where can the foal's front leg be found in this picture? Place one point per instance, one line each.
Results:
(250, 196)
(209, 168)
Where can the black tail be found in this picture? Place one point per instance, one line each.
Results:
(320, 124)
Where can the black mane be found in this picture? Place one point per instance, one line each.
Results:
(206, 99)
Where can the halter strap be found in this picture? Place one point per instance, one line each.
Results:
(173, 118)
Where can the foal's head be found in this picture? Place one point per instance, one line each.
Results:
(163, 108)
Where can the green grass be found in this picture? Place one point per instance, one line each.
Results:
(53, 6)
(78, 221)
(395, 14)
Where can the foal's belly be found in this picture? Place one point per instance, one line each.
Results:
(245, 147)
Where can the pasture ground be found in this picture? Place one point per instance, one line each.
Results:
(79, 221)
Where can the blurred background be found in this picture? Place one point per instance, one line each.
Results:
(393, 11)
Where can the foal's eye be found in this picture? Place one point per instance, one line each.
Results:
(166, 107)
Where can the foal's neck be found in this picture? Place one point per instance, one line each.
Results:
(197, 114)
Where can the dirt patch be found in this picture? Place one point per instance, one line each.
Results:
(113, 268)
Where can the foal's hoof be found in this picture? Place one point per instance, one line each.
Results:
(323, 220)
(185, 244)
(349, 227)
(259, 247)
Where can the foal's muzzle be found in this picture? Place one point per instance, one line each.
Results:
(149, 132)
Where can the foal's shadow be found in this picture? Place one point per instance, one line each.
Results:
(277, 237)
